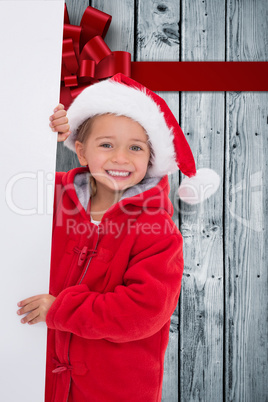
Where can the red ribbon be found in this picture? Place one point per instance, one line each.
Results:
(201, 75)
(86, 59)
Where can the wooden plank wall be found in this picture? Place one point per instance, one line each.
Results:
(202, 120)
(246, 212)
(218, 337)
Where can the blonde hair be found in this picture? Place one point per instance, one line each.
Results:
(82, 135)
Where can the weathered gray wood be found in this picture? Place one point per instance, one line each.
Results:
(201, 325)
(246, 211)
(246, 245)
(67, 159)
(120, 35)
(158, 40)
(76, 9)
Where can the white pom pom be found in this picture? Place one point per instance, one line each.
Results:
(195, 189)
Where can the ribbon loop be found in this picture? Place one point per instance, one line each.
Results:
(66, 16)
(70, 80)
(71, 31)
(117, 62)
(87, 69)
(95, 49)
(86, 59)
(68, 56)
(94, 23)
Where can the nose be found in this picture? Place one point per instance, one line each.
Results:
(120, 156)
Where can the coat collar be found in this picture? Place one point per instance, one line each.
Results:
(152, 191)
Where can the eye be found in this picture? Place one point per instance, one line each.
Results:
(136, 148)
(105, 145)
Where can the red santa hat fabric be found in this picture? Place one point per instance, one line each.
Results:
(123, 96)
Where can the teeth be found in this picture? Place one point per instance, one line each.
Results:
(114, 173)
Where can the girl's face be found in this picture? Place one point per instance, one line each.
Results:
(116, 152)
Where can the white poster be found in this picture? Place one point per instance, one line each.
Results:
(30, 52)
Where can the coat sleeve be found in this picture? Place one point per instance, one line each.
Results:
(135, 310)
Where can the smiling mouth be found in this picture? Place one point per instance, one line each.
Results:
(118, 173)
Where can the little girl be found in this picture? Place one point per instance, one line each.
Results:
(116, 260)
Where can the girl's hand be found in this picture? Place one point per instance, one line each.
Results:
(36, 307)
(59, 123)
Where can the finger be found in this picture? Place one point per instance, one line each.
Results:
(29, 317)
(28, 300)
(63, 137)
(62, 129)
(60, 113)
(59, 121)
(35, 320)
(29, 307)
(59, 107)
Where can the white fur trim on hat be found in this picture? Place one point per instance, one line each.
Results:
(113, 97)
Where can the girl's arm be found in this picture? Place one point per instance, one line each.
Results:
(135, 310)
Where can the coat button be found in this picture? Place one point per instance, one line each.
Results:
(82, 256)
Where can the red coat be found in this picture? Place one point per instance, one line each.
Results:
(116, 287)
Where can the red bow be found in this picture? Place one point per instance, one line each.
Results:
(86, 59)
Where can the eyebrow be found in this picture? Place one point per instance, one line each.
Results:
(109, 136)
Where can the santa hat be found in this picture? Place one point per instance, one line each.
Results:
(123, 96)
